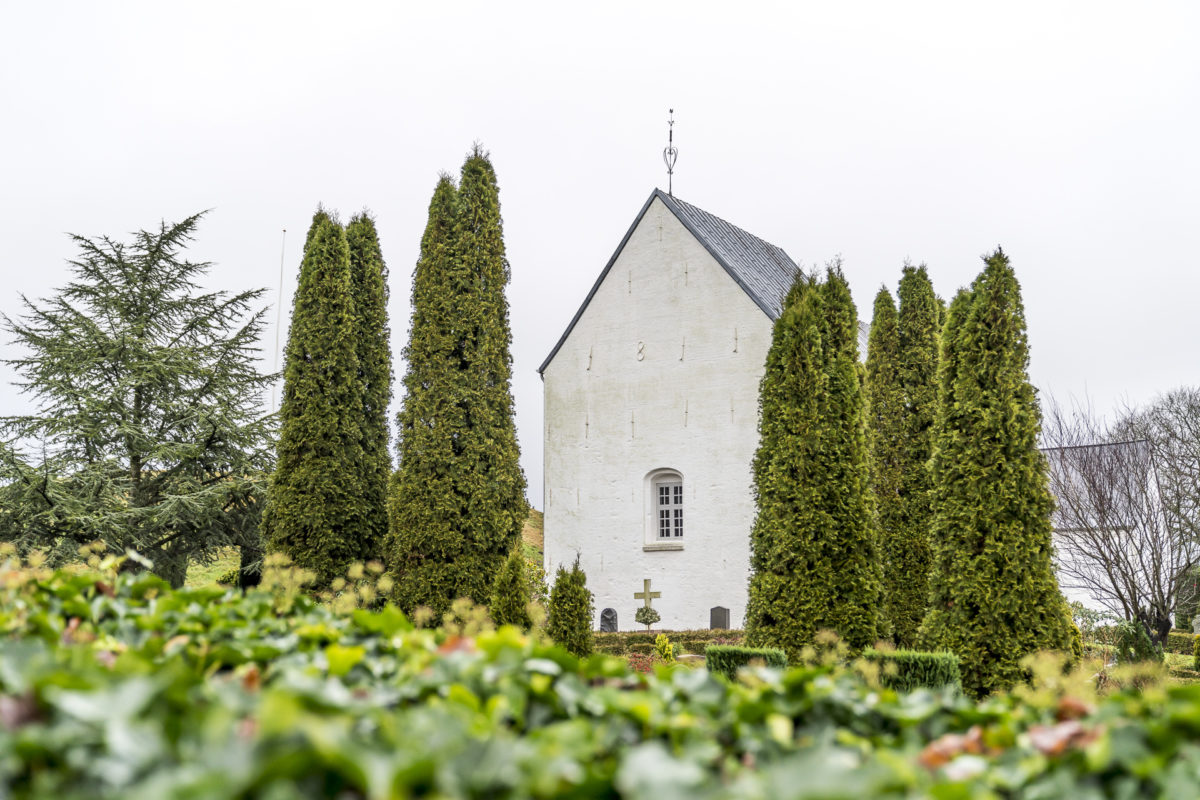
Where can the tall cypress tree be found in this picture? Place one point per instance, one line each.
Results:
(907, 548)
(886, 432)
(813, 545)
(368, 277)
(314, 511)
(457, 501)
(993, 594)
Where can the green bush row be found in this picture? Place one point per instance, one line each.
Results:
(1180, 643)
(906, 670)
(117, 687)
(726, 659)
(624, 643)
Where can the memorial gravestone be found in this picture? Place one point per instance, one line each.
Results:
(718, 618)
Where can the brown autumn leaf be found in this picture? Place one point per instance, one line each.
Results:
(944, 749)
(16, 711)
(1072, 708)
(973, 743)
(457, 644)
(252, 678)
(940, 751)
(68, 634)
(1053, 740)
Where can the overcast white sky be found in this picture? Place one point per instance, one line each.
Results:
(1065, 131)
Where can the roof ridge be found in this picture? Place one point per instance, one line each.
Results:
(694, 207)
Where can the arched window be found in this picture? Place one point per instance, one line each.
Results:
(663, 493)
(666, 488)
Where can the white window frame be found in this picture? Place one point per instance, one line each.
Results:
(666, 510)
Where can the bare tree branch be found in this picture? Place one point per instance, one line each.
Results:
(1125, 523)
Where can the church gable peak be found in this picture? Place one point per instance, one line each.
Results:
(763, 271)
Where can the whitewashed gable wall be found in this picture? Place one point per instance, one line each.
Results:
(661, 371)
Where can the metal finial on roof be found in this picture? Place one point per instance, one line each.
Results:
(670, 153)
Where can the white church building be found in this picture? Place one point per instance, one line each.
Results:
(651, 419)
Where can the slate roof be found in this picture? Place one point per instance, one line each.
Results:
(765, 272)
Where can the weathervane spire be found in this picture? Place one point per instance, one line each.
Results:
(670, 154)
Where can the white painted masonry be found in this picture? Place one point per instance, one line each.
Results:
(659, 372)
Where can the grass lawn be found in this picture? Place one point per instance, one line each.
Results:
(531, 532)
(207, 574)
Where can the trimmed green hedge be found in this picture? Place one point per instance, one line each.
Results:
(626, 643)
(725, 659)
(1180, 642)
(906, 670)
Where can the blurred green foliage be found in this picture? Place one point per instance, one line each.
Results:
(114, 686)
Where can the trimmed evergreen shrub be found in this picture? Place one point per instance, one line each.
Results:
(813, 545)
(314, 510)
(994, 598)
(457, 497)
(664, 649)
(646, 615)
(1188, 600)
(1133, 645)
(571, 611)
(510, 593)
(230, 578)
(368, 281)
(906, 670)
(1196, 654)
(723, 659)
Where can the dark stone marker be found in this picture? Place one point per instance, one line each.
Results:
(608, 620)
(718, 618)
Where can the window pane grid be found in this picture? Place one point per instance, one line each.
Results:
(670, 510)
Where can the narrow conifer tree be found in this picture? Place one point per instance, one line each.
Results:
(886, 414)
(457, 499)
(813, 545)
(368, 276)
(314, 510)
(570, 621)
(510, 592)
(993, 594)
(908, 555)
